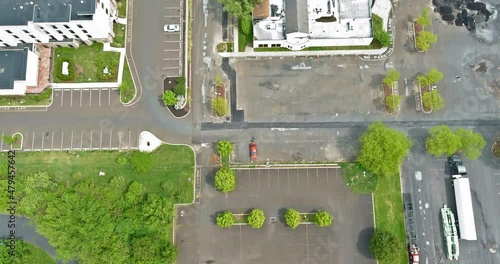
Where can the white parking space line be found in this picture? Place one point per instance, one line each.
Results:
(109, 97)
(100, 97)
(62, 137)
(33, 141)
(81, 141)
(110, 136)
(71, 102)
(52, 145)
(71, 144)
(90, 96)
(1, 140)
(81, 96)
(129, 139)
(90, 139)
(100, 143)
(43, 139)
(62, 97)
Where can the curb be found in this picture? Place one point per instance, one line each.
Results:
(22, 140)
(281, 166)
(33, 106)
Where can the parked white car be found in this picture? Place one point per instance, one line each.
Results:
(171, 28)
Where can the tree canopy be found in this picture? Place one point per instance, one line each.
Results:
(425, 39)
(443, 141)
(142, 162)
(256, 218)
(391, 77)
(379, 34)
(225, 180)
(169, 98)
(384, 246)
(239, 8)
(472, 143)
(424, 19)
(323, 219)
(225, 219)
(433, 100)
(434, 76)
(383, 149)
(292, 218)
(224, 147)
(392, 102)
(219, 105)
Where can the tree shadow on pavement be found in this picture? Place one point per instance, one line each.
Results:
(363, 243)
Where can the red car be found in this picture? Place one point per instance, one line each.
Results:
(253, 150)
(413, 252)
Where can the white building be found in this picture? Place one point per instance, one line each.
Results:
(18, 70)
(53, 21)
(298, 24)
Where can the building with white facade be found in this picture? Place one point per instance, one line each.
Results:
(47, 23)
(298, 24)
(55, 21)
(18, 70)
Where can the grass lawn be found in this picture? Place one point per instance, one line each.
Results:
(127, 88)
(37, 255)
(41, 99)
(172, 164)
(119, 39)
(357, 179)
(89, 62)
(122, 8)
(241, 219)
(374, 45)
(230, 47)
(244, 38)
(309, 217)
(389, 212)
(18, 140)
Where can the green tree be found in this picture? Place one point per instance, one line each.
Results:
(256, 218)
(323, 219)
(118, 183)
(292, 218)
(383, 37)
(225, 180)
(391, 77)
(423, 80)
(37, 186)
(392, 102)
(472, 143)
(134, 193)
(434, 76)
(141, 162)
(180, 87)
(425, 39)
(148, 249)
(385, 246)
(121, 160)
(433, 100)
(169, 98)
(9, 140)
(218, 80)
(224, 148)
(219, 105)
(239, 8)
(156, 211)
(383, 149)
(424, 19)
(22, 254)
(225, 219)
(442, 141)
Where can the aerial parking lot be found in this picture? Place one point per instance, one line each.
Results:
(274, 191)
(173, 41)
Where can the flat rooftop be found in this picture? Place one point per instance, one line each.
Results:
(19, 12)
(12, 67)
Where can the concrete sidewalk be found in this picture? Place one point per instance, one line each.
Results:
(303, 53)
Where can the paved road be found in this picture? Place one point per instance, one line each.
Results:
(26, 232)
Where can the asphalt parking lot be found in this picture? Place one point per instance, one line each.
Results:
(274, 190)
(85, 97)
(173, 56)
(77, 140)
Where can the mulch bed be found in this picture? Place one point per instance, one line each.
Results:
(220, 91)
(387, 92)
(168, 84)
(418, 28)
(496, 149)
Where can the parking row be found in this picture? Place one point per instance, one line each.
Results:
(85, 97)
(73, 140)
(172, 48)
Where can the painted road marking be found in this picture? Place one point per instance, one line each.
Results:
(71, 100)
(90, 102)
(62, 137)
(90, 139)
(43, 138)
(33, 141)
(81, 96)
(52, 145)
(99, 97)
(129, 139)
(110, 136)
(100, 143)
(109, 97)
(62, 97)
(1, 144)
(71, 146)
(81, 141)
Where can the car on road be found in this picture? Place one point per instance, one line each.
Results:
(171, 28)
(413, 252)
(253, 149)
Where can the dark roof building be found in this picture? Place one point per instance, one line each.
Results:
(13, 65)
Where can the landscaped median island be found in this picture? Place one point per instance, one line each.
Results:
(119, 39)
(431, 99)
(123, 199)
(390, 89)
(127, 87)
(219, 101)
(382, 151)
(15, 141)
(174, 95)
(423, 38)
(85, 64)
(245, 33)
(42, 99)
